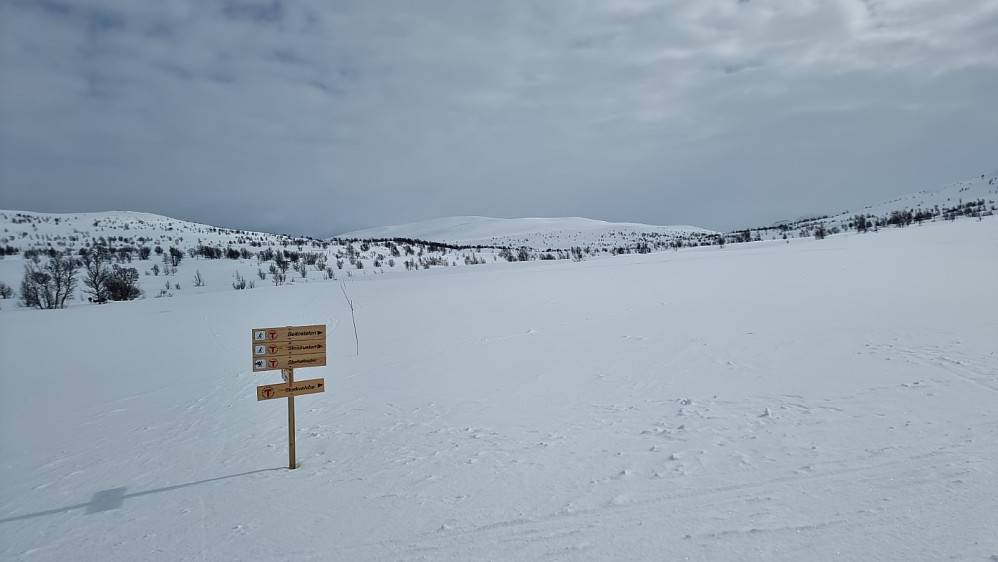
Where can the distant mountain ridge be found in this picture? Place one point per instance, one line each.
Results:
(162, 256)
(537, 233)
(24, 230)
(563, 233)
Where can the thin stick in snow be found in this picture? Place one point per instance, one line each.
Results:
(352, 317)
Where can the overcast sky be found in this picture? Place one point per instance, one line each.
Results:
(318, 117)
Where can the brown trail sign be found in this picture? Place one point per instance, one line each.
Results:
(297, 388)
(290, 333)
(287, 348)
(275, 362)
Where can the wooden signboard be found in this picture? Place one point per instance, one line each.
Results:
(277, 362)
(289, 347)
(284, 390)
(290, 333)
(286, 348)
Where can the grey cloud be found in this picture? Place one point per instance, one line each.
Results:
(321, 116)
(261, 12)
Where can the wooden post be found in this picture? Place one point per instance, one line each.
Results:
(291, 422)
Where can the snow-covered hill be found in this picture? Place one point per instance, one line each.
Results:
(950, 196)
(28, 230)
(213, 259)
(23, 231)
(534, 233)
(971, 198)
(975, 197)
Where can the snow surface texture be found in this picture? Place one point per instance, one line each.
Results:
(813, 400)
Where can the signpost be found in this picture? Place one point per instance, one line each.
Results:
(286, 348)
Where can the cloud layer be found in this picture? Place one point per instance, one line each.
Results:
(317, 117)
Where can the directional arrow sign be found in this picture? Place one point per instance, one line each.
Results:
(289, 334)
(277, 362)
(288, 348)
(284, 390)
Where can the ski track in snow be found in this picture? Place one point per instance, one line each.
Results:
(979, 371)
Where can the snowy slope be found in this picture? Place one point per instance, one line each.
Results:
(31, 229)
(974, 198)
(563, 233)
(984, 187)
(812, 400)
(128, 232)
(537, 233)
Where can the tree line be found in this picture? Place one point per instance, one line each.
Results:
(51, 284)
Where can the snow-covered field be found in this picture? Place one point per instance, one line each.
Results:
(813, 400)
